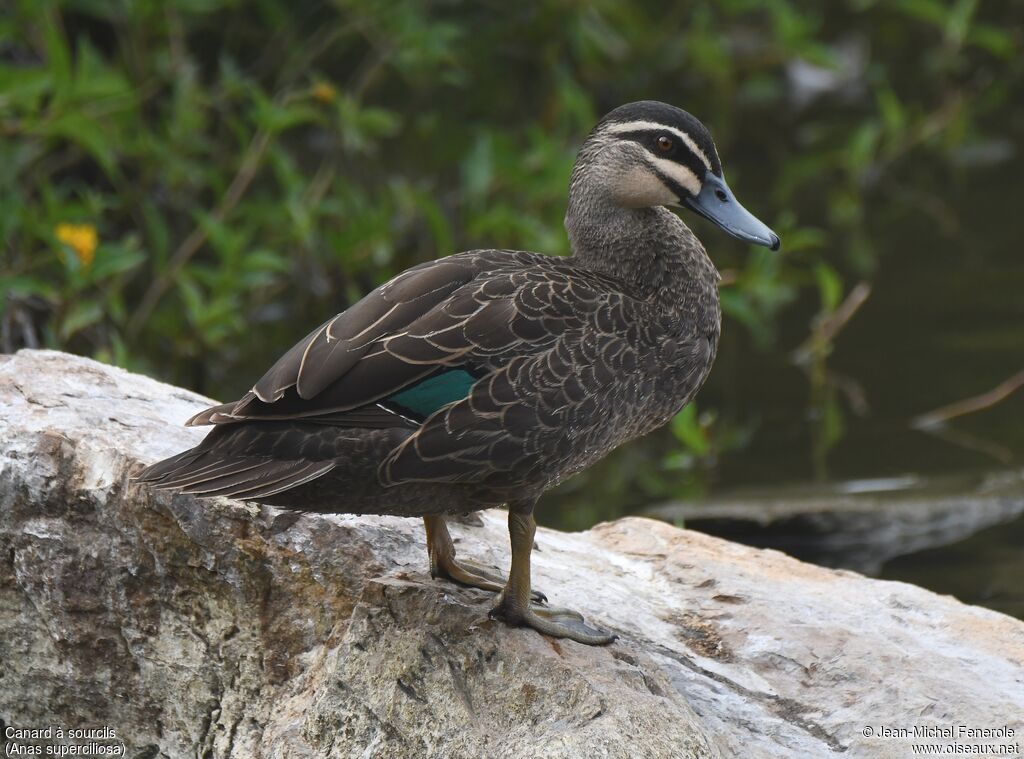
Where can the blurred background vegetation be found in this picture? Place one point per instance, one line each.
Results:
(186, 187)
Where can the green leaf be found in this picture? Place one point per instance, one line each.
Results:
(87, 134)
(687, 430)
(276, 117)
(112, 259)
(893, 114)
(265, 259)
(27, 285)
(958, 21)
(22, 89)
(994, 39)
(58, 54)
(83, 314)
(860, 150)
(830, 287)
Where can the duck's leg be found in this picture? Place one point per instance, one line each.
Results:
(443, 564)
(514, 604)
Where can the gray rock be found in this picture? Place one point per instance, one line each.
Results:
(220, 629)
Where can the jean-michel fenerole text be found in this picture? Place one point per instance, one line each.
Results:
(956, 732)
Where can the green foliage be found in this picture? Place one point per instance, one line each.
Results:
(247, 168)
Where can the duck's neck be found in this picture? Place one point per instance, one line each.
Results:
(650, 250)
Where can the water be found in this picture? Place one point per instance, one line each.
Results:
(945, 321)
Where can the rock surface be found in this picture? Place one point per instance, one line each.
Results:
(221, 629)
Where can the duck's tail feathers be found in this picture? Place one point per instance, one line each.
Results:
(243, 477)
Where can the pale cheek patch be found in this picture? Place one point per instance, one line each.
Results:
(677, 173)
(640, 188)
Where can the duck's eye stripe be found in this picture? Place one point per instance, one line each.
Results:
(628, 127)
(680, 154)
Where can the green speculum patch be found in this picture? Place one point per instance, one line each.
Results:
(437, 390)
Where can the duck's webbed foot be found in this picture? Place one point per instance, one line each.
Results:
(558, 623)
(444, 564)
(514, 606)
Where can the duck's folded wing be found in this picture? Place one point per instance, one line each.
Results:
(312, 378)
(448, 313)
(498, 364)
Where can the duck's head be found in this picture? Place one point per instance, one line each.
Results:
(648, 154)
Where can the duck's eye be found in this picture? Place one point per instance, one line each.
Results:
(665, 143)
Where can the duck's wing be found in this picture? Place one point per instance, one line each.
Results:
(438, 315)
(409, 332)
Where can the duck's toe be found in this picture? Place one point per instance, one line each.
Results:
(475, 576)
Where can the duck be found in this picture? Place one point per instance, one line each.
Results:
(484, 378)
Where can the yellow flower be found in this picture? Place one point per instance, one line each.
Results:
(81, 238)
(325, 92)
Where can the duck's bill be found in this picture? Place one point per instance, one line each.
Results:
(717, 203)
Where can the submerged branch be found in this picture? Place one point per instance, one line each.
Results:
(826, 329)
(970, 442)
(940, 416)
